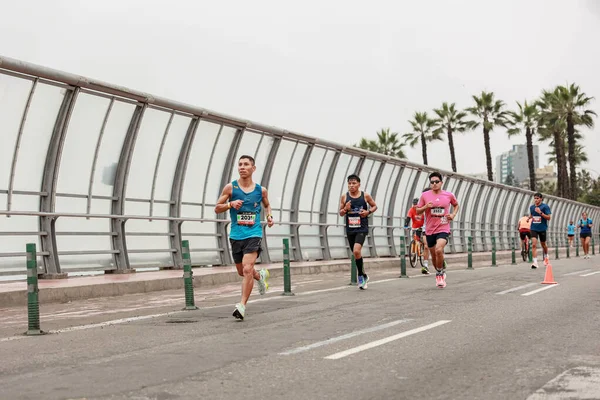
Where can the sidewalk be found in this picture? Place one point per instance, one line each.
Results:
(78, 288)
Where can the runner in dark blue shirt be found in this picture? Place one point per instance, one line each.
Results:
(540, 214)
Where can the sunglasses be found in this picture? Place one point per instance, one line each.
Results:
(434, 182)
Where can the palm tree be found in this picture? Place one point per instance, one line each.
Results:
(449, 121)
(422, 132)
(490, 114)
(387, 143)
(551, 126)
(526, 120)
(580, 155)
(571, 105)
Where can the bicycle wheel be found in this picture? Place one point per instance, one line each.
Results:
(412, 255)
(420, 252)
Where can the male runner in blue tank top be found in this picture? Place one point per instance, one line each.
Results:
(353, 205)
(243, 199)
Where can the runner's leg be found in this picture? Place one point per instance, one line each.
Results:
(249, 275)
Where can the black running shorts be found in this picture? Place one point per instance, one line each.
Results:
(585, 235)
(539, 235)
(245, 246)
(525, 235)
(358, 237)
(432, 239)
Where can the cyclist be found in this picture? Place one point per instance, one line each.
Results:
(417, 229)
(524, 227)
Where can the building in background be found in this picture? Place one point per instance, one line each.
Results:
(512, 166)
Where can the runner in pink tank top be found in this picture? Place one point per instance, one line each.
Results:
(436, 205)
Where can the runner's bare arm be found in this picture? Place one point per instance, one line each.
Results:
(267, 205)
(223, 204)
(343, 205)
(455, 209)
(371, 202)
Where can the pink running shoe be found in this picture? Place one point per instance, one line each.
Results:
(439, 281)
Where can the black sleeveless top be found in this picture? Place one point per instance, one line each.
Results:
(354, 222)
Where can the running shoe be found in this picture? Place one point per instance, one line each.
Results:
(361, 282)
(365, 280)
(425, 271)
(439, 281)
(240, 311)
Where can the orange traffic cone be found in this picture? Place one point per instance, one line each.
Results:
(549, 278)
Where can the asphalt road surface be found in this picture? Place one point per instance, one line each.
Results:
(492, 333)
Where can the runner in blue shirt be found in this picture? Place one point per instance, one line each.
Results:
(571, 232)
(243, 199)
(539, 213)
(585, 233)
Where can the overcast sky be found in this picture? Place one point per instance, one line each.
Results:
(335, 70)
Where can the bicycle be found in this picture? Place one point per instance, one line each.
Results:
(415, 249)
(525, 249)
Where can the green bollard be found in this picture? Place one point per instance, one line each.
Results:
(402, 258)
(530, 251)
(568, 249)
(287, 276)
(494, 251)
(188, 282)
(577, 248)
(353, 273)
(470, 253)
(556, 251)
(593, 246)
(513, 258)
(33, 304)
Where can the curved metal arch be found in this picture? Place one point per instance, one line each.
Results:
(177, 192)
(157, 164)
(370, 238)
(325, 203)
(49, 180)
(295, 203)
(118, 241)
(13, 165)
(392, 212)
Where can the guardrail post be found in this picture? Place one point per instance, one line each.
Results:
(188, 282)
(403, 258)
(512, 255)
(353, 273)
(568, 249)
(494, 251)
(33, 305)
(577, 248)
(287, 277)
(470, 253)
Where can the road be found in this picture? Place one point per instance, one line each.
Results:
(490, 334)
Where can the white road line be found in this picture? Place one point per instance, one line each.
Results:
(591, 273)
(380, 342)
(577, 272)
(517, 288)
(539, 290)
(343, 337)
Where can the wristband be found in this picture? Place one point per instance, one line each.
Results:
(229, 205)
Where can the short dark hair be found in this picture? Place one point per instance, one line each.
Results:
(355, 177)
(538, 194)
(248, 157)
(435, 174)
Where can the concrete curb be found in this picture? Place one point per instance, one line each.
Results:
(89, 291)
